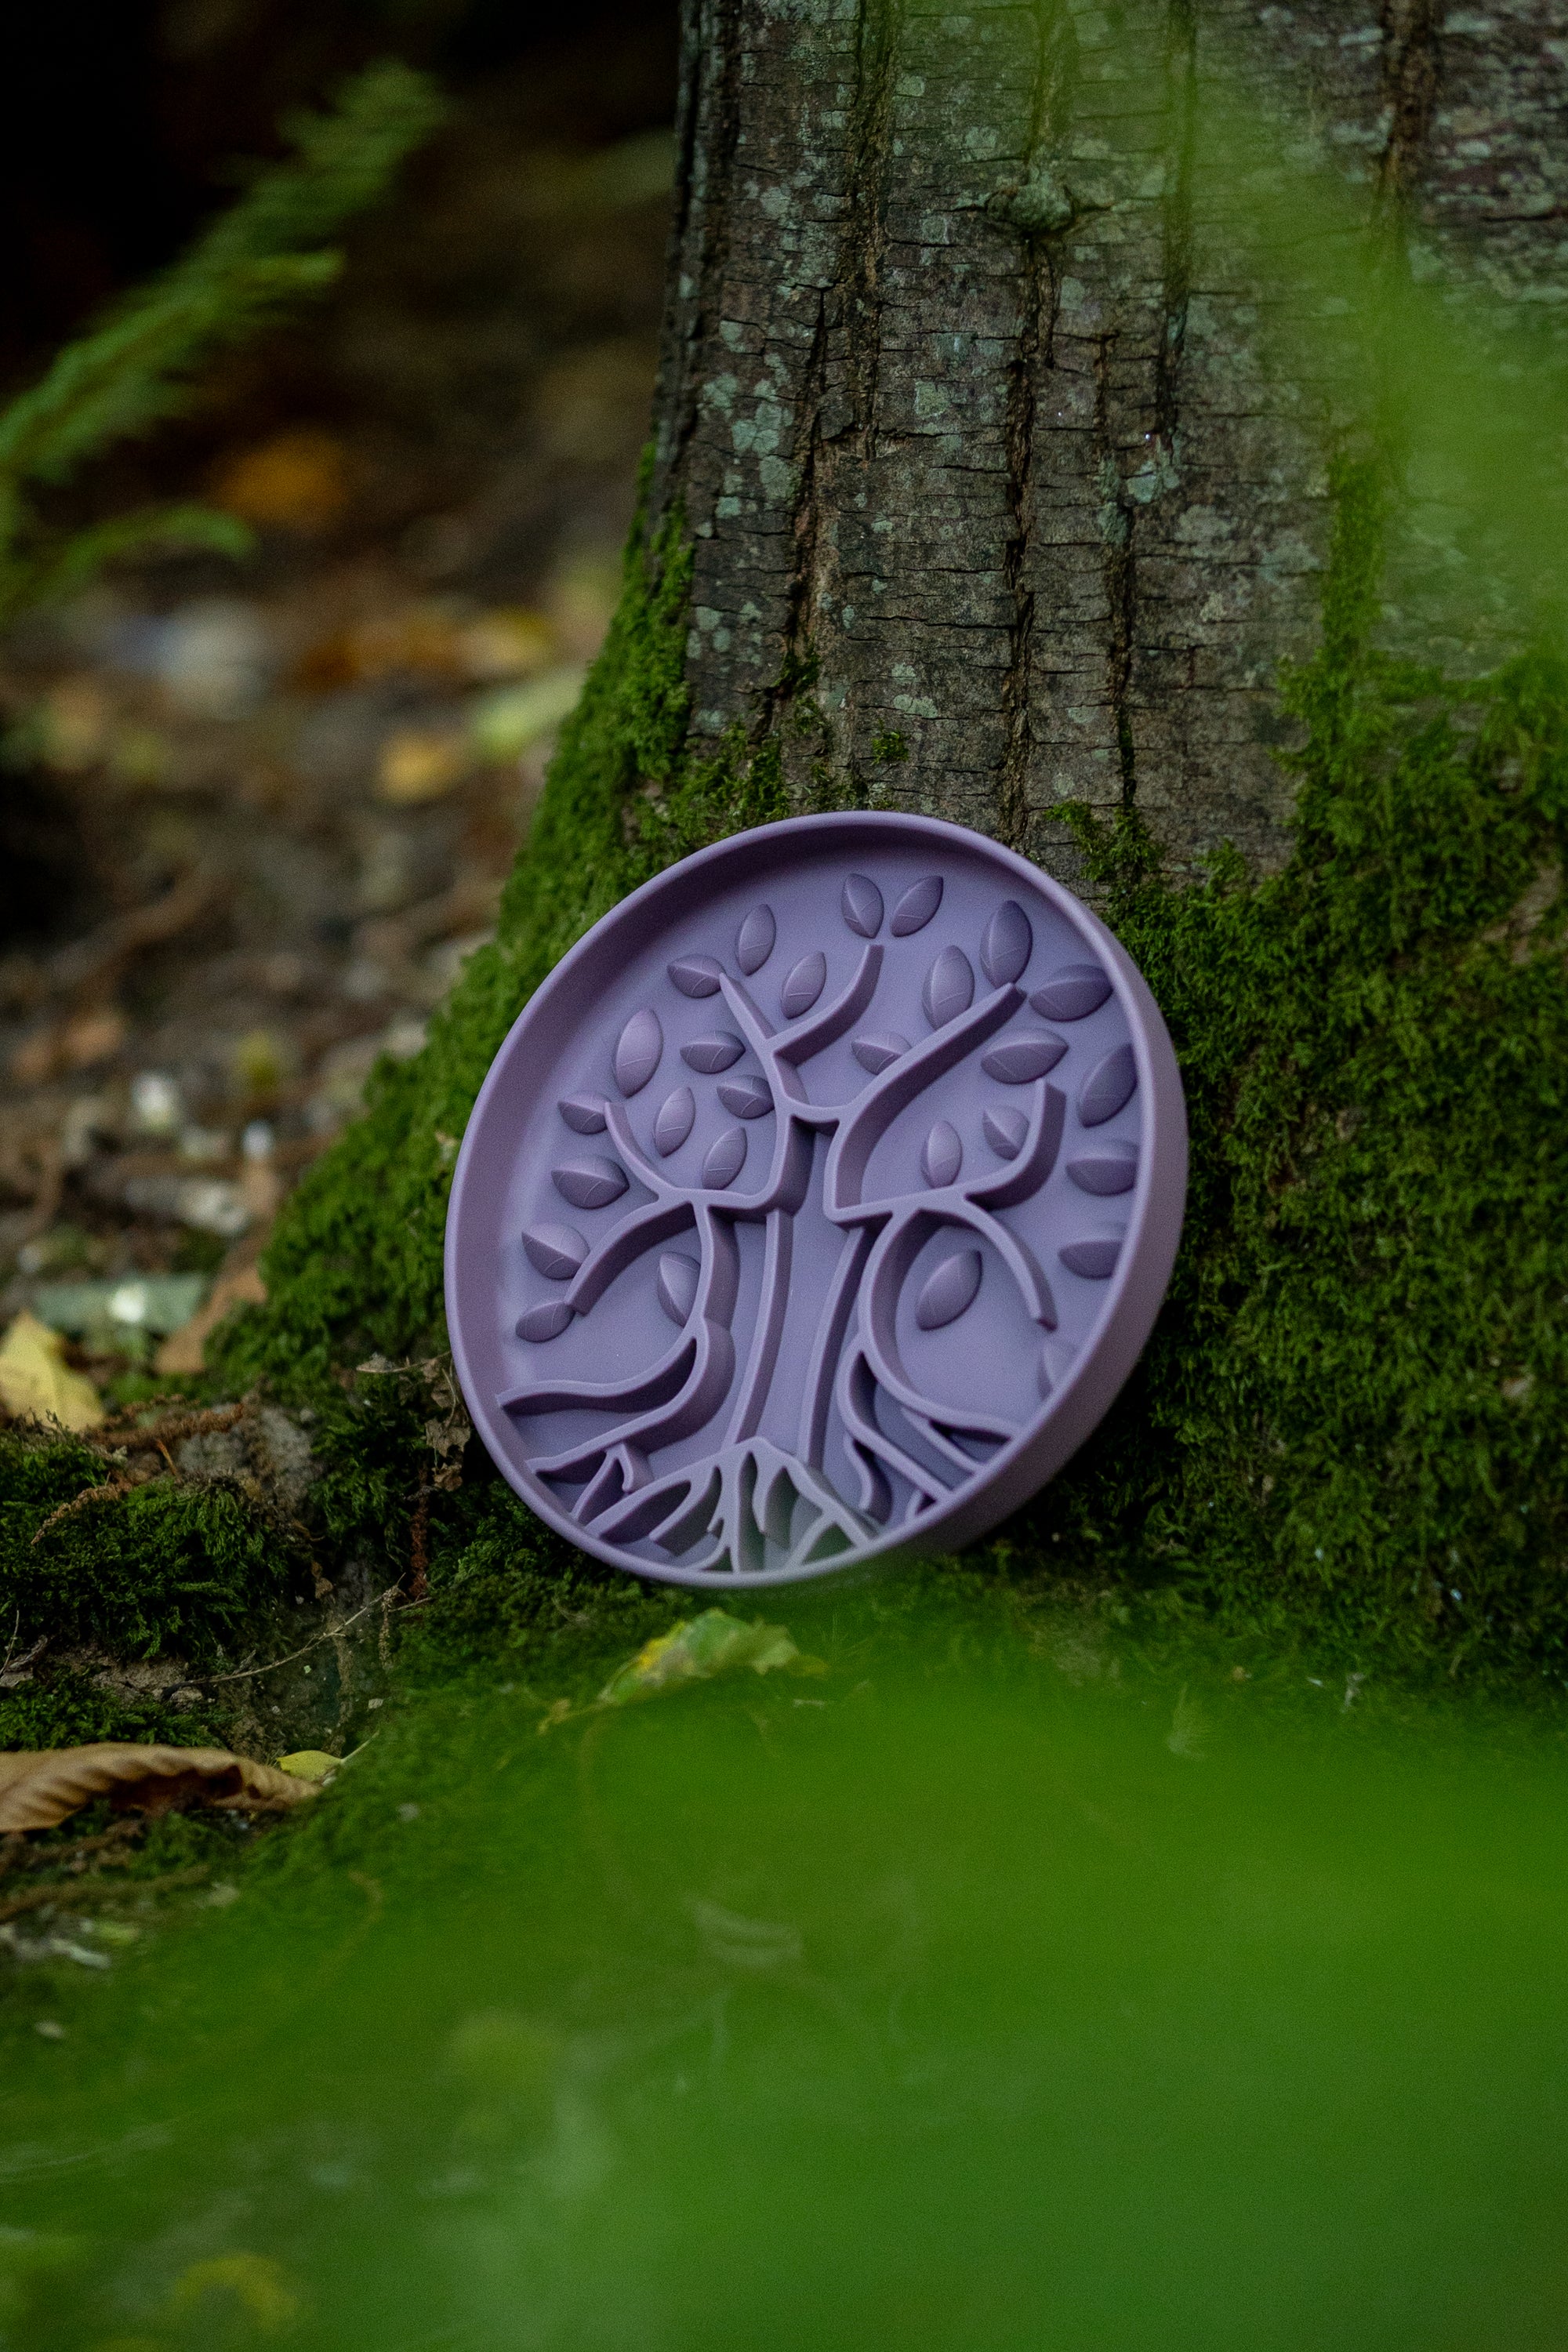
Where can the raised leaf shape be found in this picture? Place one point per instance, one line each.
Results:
(710, 1055)
(1018, 1059)
(862, 904)
(1008, 945)
(942, 1156)
(545, 1322)
(555, 1251)
(589, 1182)
(638, 1051)
(1005, 1128)
(696, 975)
(1095, 1256)
(676, 1116)
(1072, 994)
(949, 988)
(1108, 1085)
(677, 1286)
(748, 1096)
(583, 1113)
(804, 986)
(755, 939)
(1111, 1166)
(878, 1051)
(916, 908)
(725, 1159)
(949, 1291)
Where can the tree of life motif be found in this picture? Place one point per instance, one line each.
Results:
(746, 1491)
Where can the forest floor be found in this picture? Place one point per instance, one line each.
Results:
(256, 814)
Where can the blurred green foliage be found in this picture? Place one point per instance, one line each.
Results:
(139, 363)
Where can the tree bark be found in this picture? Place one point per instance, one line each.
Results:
(997, 495)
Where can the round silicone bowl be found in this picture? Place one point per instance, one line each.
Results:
(816, 1206)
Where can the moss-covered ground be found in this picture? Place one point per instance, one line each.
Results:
(1346, 1431)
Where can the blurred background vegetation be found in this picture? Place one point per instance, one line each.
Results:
(266, 771)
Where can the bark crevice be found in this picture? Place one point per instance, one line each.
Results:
(1412, 61)
(878, 29)
(1119, 573)
(707, 131)
(1018, 556)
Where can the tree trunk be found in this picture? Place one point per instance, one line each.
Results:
(997, 500)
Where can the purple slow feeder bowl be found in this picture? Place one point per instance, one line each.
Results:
(816, 1206)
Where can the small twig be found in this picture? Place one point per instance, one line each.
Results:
(34, 1899)
(110, 1492)
(126, 935)
(332, 1634)
(37, 1898)
(124, 1415)
(42, 1857)
(176, 1425)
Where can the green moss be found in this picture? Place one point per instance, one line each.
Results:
(1350, 1416)
(69, 1709)
(167, 1568)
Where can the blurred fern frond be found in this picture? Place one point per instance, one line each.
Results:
(139, 361)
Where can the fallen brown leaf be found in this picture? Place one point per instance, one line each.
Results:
(41, 1787)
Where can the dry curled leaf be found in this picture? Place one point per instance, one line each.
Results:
(41, 1787)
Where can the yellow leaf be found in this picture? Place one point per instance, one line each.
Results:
(36, 1383)
(713, 1644)
(309, 1764)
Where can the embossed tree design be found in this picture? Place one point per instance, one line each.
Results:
(740, 1490)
